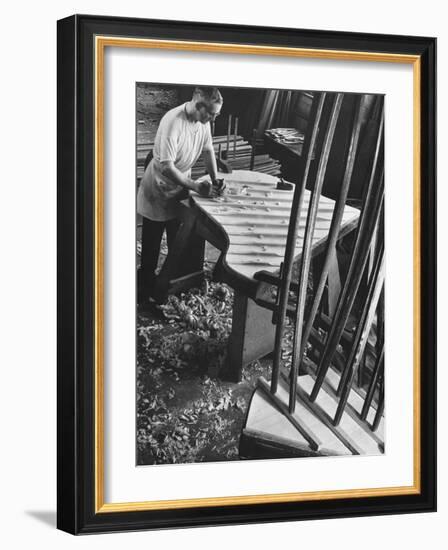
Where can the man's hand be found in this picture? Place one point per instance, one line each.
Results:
(219, 186)
(203, 188)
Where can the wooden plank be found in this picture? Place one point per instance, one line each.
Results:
(246, 215)
(314, 416)
(256, 445)
(238, 260)
(350, 431)
(354, 405)
(265, 422)
(303, 422)
(259, 222)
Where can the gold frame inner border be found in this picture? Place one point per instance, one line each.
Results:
(101, 43)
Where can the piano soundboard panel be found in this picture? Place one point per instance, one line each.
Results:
(255, 216)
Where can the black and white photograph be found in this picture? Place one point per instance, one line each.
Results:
(228, 221)
(259, 274)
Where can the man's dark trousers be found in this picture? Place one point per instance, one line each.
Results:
(152, 233)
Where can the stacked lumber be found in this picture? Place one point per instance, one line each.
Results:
(238, 156)
(288, 136)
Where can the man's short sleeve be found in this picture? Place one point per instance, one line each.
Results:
(168, 135)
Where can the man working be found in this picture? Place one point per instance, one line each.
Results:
(183, 134)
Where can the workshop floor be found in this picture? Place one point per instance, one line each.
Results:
(185, 411)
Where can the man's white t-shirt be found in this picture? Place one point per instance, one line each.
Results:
(178, 140)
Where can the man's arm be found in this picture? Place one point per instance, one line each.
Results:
(210, 162)
(170, 171)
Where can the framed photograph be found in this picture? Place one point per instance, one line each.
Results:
(246, 274)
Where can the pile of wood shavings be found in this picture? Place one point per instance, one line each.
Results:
(185, 413)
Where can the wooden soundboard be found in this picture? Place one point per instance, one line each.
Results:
(255, 216)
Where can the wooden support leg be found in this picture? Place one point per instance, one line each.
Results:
(252, 335)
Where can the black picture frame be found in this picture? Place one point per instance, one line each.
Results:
(77, 398)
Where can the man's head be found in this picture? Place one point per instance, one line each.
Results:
(207, 102)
